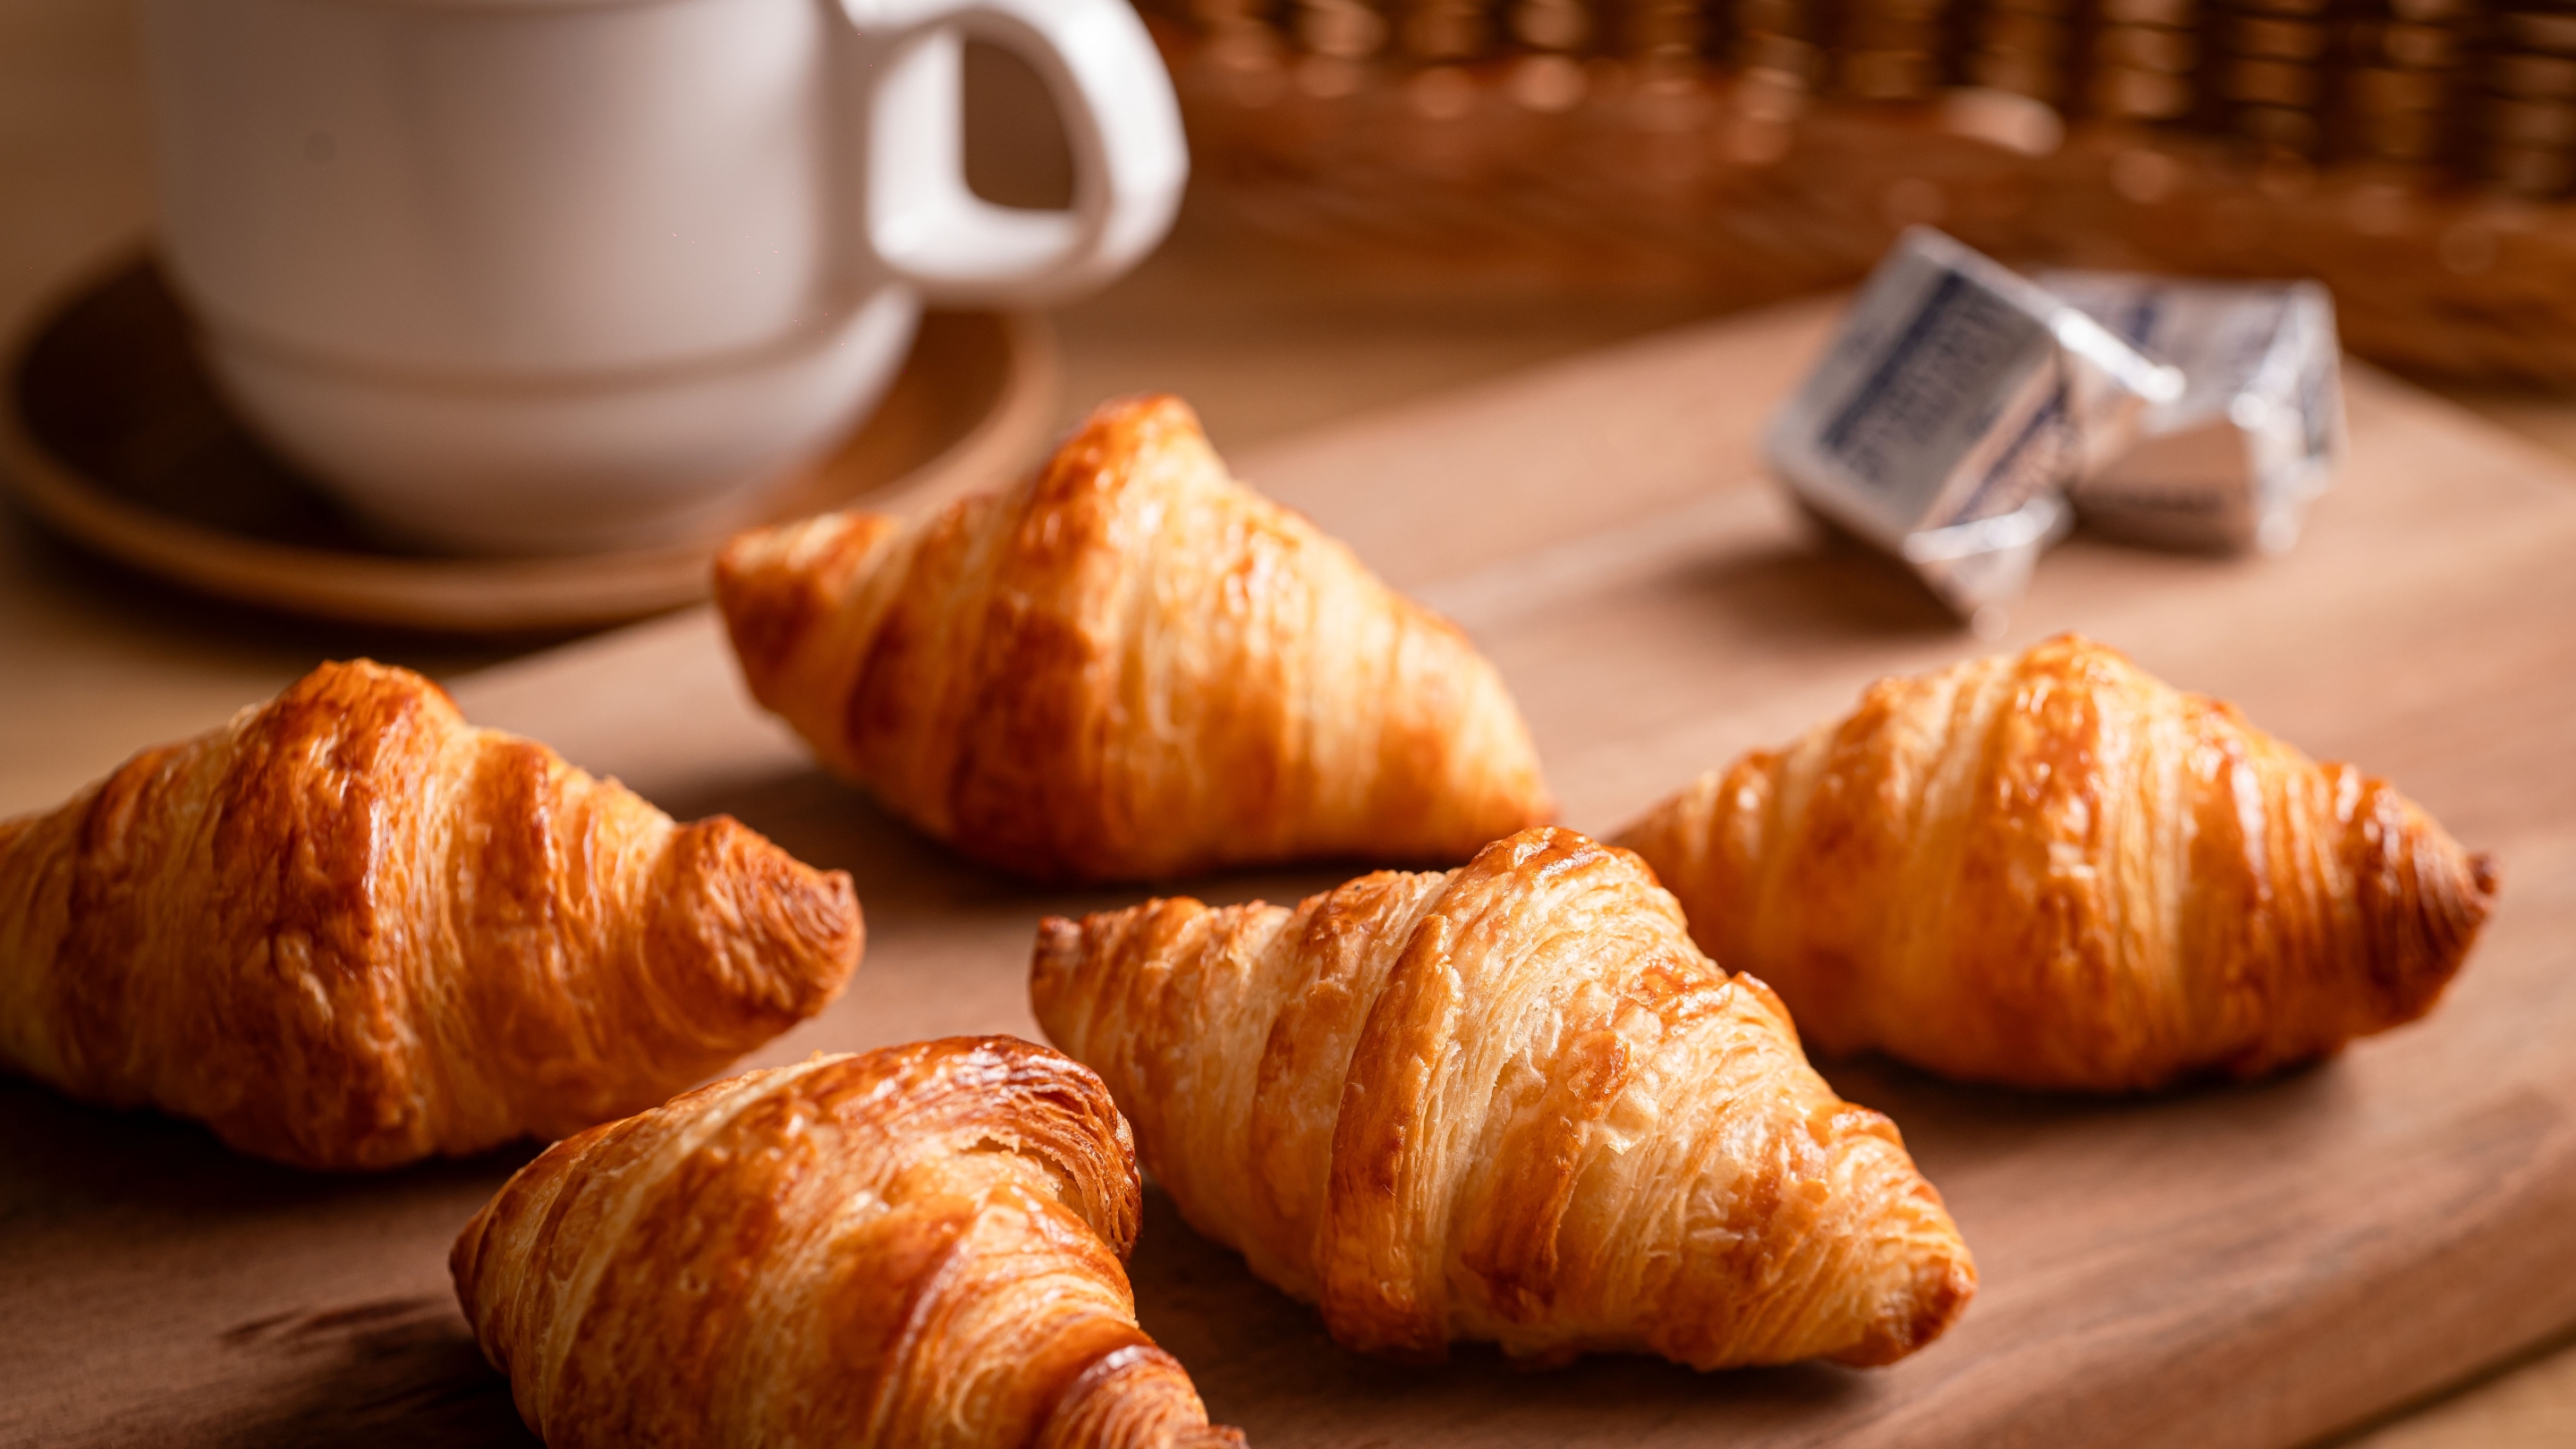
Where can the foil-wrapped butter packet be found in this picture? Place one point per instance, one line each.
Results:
(2234, 462)
(1953, 410)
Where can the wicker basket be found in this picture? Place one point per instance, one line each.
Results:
(2418, 162)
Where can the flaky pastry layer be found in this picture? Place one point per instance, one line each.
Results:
(349, 930)
(2054, 870)
(918, 1247)
(1510, 1102)
(1130, 666)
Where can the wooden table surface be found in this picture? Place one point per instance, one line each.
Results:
(95, 662)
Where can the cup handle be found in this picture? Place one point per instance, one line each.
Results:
(1120, 118)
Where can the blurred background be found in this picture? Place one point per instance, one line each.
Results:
(2412, 153)
(1392, 199)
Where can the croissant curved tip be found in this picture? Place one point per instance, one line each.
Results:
(807, 930)
(2471, 899)
(1059, 944)
(1940, 1295)
(775, 586)
(2422, 902)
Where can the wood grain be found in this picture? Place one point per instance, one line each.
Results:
(2252, 1267)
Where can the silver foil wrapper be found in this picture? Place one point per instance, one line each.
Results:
(2233, 463)
(1951, 413)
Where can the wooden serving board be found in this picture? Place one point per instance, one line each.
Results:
(2231, 1267)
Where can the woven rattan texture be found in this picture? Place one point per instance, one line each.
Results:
(2418, 155)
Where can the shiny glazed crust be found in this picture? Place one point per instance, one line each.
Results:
(349, 930)
(2053, 870)
(1510, 1102)
(920, 1246)
(1129, 666)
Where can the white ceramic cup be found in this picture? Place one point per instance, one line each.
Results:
(550, 275)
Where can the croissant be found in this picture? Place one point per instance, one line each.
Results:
(1129, 666)
(1509, 1102)
(2056, 871)
(920, 1246)
(349, 930)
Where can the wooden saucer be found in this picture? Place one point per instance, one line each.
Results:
(113, 433)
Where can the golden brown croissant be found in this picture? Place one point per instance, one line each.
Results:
(916, 1247)
(350, 930)
(1129, 666)
(2056, 871)
(1508, 1102)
